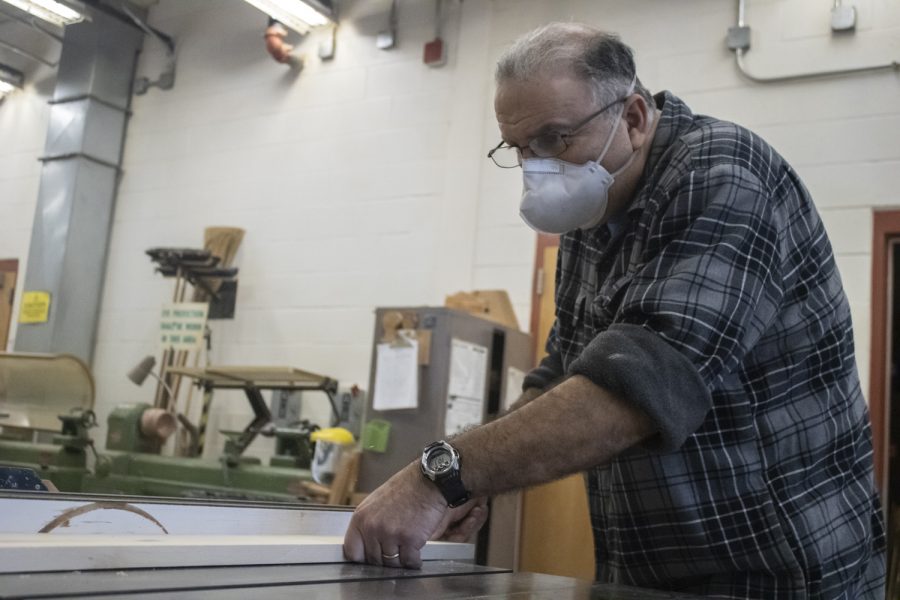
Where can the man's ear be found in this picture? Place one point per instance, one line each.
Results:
(638, 116)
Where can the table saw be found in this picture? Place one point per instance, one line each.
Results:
(113, 547)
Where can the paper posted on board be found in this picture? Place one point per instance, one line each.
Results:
(466, 388)
(396, 376)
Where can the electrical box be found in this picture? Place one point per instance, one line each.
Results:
(843, 18)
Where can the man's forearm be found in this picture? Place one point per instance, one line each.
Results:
(570, 428)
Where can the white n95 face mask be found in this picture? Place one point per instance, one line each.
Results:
(560, 196)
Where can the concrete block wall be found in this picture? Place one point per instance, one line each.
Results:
(363, 181)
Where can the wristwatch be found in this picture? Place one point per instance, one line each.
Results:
(440, 464)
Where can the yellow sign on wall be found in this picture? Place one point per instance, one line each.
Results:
(35, 307)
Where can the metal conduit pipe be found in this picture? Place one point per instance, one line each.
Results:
(22, 52)
(739, 42)
(31, 22)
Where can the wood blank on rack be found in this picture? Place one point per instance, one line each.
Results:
(344, 484)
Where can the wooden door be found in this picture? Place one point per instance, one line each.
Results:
(9, 269)
(556, 535)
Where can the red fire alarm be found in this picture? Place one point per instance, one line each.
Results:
(434, 55)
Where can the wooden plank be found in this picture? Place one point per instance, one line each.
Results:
(30, 553)
(8, 273)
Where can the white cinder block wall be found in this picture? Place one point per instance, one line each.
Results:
(23, 129)
(356, 181)
(362, 181)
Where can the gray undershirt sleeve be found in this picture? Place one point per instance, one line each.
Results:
(545, 374)
(639, 367)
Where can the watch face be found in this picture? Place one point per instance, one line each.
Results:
(440, 461)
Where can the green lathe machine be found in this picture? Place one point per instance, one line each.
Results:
(46, 417)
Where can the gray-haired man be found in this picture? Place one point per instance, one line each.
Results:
(701, 368)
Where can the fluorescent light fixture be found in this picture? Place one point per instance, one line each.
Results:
(10, 80)
(49, 10)
(299, 15)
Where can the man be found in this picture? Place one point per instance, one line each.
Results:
(701, 367)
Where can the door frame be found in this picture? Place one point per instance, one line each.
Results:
(8, 265)
(886, 228)
(544, 241)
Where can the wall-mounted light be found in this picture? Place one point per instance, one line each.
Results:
(58, 13)
(299, 15)
(10, 79)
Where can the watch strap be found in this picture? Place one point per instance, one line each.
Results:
(453, 490)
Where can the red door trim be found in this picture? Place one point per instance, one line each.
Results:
(886, 227)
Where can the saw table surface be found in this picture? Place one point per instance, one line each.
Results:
(437, 580)
(135, 547)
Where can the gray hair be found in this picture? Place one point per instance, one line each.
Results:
(595, 56)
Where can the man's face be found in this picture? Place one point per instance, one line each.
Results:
(527, 109)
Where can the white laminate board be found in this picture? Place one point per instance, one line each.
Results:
(21, 553)
(29, 515)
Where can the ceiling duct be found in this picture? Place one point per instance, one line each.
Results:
(79, 177)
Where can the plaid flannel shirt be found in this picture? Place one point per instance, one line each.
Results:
(715, 305)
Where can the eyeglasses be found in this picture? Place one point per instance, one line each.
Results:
(546, 145)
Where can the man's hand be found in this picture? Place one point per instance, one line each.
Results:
(392, 524)
(463, 521)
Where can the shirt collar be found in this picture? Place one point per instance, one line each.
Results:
(675, 119)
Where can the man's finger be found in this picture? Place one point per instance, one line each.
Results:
(354, 550)
(461, 531)
(446, 523)
(410, 557)
(373, 551)
(463, 521)
(390, 558)
(480, 519)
